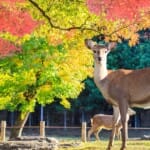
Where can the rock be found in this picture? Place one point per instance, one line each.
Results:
(145, 137)
(30, 143)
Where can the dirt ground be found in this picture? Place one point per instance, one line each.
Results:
(75, 133)
(61, 134)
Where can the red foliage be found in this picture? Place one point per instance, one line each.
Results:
(17, 22)
(12, 1)
(7, 47)
(118, 9)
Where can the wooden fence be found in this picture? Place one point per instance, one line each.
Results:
(42, 130)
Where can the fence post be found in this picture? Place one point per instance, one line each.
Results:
(3, 131)
(42, 128)
(83, 132)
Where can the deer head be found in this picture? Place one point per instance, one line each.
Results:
(100, 50)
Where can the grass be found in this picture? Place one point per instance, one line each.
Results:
(102, 145)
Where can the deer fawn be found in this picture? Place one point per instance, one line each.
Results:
(101, 121)
(121, 88)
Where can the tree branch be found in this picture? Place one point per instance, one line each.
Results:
(128, 25)
(82, 27)
(48, 18)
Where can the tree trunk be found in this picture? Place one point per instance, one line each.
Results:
(20, 122)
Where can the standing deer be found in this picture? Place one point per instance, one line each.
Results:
(121, 88)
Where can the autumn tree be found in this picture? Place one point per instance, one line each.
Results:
(40, 74)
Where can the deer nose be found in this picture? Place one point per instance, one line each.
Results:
(99, 59)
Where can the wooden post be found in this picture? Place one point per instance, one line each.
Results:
(83, 132)
(65, 119)
(42, 128)
(3, 131)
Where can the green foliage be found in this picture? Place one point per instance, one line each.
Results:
(40, 74)
(127, 57)
(90, 99)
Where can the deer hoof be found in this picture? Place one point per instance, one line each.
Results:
(123, 148)
(108, 148)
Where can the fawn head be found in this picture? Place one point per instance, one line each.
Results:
(100, 50)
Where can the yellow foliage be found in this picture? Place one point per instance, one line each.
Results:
(133, 40)
(65, 103)
(29, 77)
(5, 77)
(45, 88)
(17, 61)
(3, 101)
(21, 95)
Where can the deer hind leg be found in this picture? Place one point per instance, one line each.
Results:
(116, 118)
(96, 133)
(118, 133)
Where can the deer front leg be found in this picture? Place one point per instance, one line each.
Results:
(124, 120)
(89, 133)
(116, 118)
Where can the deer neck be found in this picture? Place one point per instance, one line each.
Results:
(100, 71)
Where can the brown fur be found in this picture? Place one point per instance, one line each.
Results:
(125, 83)
(101, 121)
(121, 88)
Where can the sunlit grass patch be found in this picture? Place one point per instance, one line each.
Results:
(102, 145)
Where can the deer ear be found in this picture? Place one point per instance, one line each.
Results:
(111, 45)
(89, 43)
